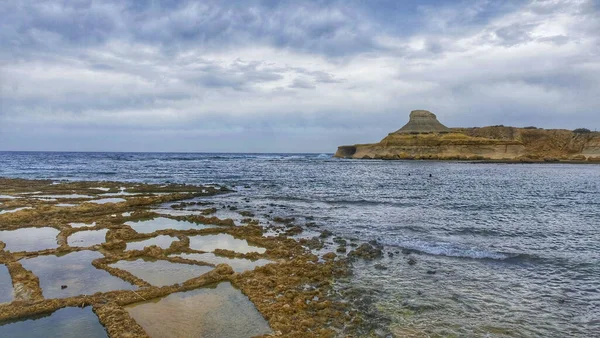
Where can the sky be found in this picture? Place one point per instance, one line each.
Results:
(287, 76)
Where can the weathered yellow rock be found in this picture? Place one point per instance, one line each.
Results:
(426, 139)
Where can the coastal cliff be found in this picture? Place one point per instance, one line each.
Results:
(424, 137)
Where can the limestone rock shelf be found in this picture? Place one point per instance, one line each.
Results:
(424, 137)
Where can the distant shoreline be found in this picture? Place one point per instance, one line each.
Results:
(474, 162)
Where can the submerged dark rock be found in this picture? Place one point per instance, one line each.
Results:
(380, 267)
(326, 233)
(366, 251)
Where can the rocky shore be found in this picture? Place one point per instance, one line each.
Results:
(425, 138)
(293, 293)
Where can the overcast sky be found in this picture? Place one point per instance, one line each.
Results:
(287, 76)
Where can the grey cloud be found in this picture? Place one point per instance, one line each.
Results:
(302, 83)
(318, 76)
(513, 35)
(555, 39)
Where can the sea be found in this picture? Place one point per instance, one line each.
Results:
(470, 249)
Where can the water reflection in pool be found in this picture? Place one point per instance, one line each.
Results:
(161, 273)
(237, 264)
(6, 287)
(161, 241)
(29, 239)
(75, 270)
(87, 238)
(162, 223)
(70, 322)
(222, 311)
(222, 241)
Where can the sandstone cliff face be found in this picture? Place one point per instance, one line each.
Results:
(544, 143)
(591, 149)
(487, 143)
(434, 146)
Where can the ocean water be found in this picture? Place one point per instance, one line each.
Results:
(501, 250)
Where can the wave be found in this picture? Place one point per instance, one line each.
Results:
(454, 250)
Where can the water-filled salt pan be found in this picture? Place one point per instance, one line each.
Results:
(75, 270)
(70, 322)
(209, 243)
(222, 311)
(29, 239)
(87, 238)
(14, 210)
(162, 223)
(107, 200)
(161, 273)
(161, 241)
(82, 225)
(6, 287)
(72, 196)
(237, 264)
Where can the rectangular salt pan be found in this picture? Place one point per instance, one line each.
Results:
(107, 200)
(29, 239)
(70, 196)
(209, 243)
(222, 311)
(87, 238)
(75, 270)
(14, 210)
(161, 241)
(70, 322)
(237, 264)
(161, 273)
(82, 225)
(163, 223)
(6, 287)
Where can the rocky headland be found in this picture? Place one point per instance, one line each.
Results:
(425, 138)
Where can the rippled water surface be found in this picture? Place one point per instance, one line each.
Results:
(75, 270)
(6, 288)
(162, 223)
(224, 312)
(161, 273)
(161, 241)
(70, 322)
(87, 238)
(29, 239)
(500, 250)
(209, 243)
(237, 264)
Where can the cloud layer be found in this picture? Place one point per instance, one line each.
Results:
(287, 75)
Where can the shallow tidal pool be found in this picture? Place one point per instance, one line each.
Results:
(237, 264)
(70, 322)
(161, 241)
(87, 238)
(161, 273)
(221, 311)
(209, 243)
(163, 223)
(75, 270)
(29, 239)
(6, 287)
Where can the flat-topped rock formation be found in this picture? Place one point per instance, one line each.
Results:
(424, 137)
(421, 122)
